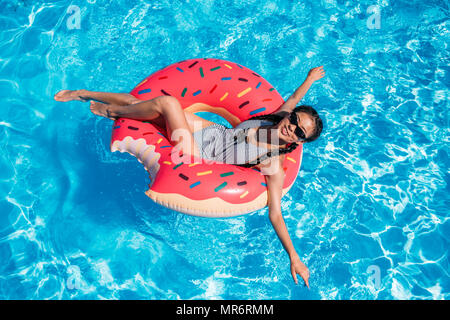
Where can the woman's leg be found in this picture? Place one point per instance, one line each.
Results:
(178, 130)
(120, 99)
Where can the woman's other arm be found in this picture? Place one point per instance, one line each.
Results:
(275, 182)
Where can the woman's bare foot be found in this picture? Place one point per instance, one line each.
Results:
(101, 109)
(69, 95)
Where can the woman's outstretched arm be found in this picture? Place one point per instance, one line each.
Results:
(313, 75)
(275, 186)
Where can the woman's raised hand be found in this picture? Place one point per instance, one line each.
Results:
(316, 73)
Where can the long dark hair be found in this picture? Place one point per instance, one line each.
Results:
(275, 118)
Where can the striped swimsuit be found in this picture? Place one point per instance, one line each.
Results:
(228, 145)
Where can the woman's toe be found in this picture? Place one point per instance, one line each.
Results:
(100, 109)
(61, 96)
(94, 108)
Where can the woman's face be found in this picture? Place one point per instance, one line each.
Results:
(286, 128)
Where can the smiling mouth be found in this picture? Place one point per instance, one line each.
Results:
(284, 131)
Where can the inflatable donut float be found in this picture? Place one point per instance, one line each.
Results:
(194, 186)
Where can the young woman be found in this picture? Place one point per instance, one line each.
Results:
(266, 139)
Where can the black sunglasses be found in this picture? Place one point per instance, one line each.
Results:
(298, 131)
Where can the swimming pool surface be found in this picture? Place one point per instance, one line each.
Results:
(368, 213)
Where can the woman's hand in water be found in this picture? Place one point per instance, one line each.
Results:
(316, 73)
(298, 267)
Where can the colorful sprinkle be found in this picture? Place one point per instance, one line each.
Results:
(184, 92)
(193, 164)
(243, 104)
(201, 72)
(179, 69)
(177, 165)
(243, 79)
(256, 74)
(193, 64)
(146, 133)
(229, 67)
(267, 100)
(291, 159)
(164, 92)
(194, 184)
(224, 96)
(242, 183)
(271, 89)
(225, 78)
(214, 88)
(214, 69)
(263, 184)
(240, 66)
(182, 176)
(167, 162)
(163, 77)
(132, 128)
(204, 173)
(144, 91)
(226, 174)
(240, 94)
(142, 82)
(197, 92)
(159, 140)
(257, 86)
(164, 147)
(257, 111)
(243, 194)
(221, 186)
(116, 127)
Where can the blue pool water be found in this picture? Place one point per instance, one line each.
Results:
(368, 213)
